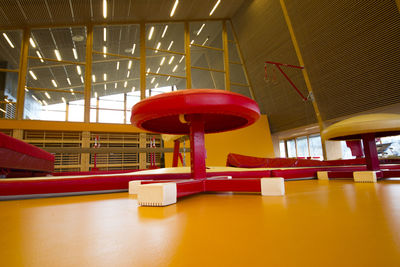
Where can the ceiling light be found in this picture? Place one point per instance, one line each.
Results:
(5, 99)
(158, 70)
(58, 56)
(118, 65)
(45, 103)
(148, 70)
(174, 8)
(8, 40)
(82, 79)
(133, 89)
(105, 51)
(125, 84)
(127, 75)
(63, 100)
(156, 85)
(133, 48)
(105, 86)
(158, 46)
(104, 8)
(151, 32)
(170, 45)
(168, 78)
(95, 94)
(47, 94)
(26, 89)
(75, 53)
(174, 69)
(205, 41)
(181, 59)
(105, 76)
(54, 83)
(94, 78)
(78, 38)
(32, 42)
(40, 56)
(78, 69)
(115, 85)
(69, 81)
(170, 61)
(192, 42)
(2, 110)
(162, 61)
(201, 28)
(129, 64)
(34, 97)
(72, 91)
(105, 34)
(165, 31)
(215, 6)
(152, 80)
(33, 75)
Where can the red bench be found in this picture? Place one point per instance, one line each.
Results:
(20, 159)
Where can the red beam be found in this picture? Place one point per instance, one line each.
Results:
(234, 185)
(283, 64)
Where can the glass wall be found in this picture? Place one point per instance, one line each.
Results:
(10, 44)
(56, 74)
(115, 72)
(59, 76)
(302, 147)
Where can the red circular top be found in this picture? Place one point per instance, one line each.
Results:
(220, 110)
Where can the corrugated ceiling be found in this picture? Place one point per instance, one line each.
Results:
(350, 50)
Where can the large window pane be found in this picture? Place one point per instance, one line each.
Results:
(302, 147)
(291, 147)
(282, 150)
(389, 146)
(56, 74)
(206, 33)
(315, 146)
(10, 44)
(115, 72)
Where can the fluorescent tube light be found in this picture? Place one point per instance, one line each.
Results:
(201, 28)
(58, 56)
(151, 32)
(215, 7)
(33, 75)
(174, 8)
(75, 53)
(32, 42)
(170, 61)
(8, 40)
(165, 31)
(104, 8)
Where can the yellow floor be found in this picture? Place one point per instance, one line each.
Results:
(335, 223)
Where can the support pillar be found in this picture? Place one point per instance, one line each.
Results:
(371, 154)
(176, 153)
(197, 148)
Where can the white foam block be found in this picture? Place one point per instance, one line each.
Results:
(157, 194)
(133, 187)
(272, 186)
(322, 175)
(365, 177)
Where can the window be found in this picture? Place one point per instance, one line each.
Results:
(302, 147)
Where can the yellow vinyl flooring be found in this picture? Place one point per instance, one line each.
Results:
(317, 223)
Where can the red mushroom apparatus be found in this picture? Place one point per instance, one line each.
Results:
(195, 112)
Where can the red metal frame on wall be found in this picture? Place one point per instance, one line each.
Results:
(278, 65)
